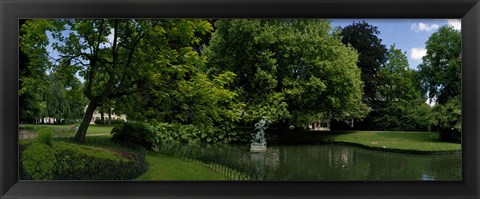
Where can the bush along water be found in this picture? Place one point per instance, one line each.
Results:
(151, 136)
(66, 161)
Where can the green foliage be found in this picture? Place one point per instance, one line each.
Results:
(448, 118)
(45, 136)
(38, 161)
(440, 71)
(67, 161)
(178, 133)
(440, 78)
(292, 71)
(138, 133)
(116, 57)
(372, 55)
(400, 105)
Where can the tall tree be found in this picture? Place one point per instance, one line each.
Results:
(33, 62)
(400, 105)
(372, 55)
(289, 70)
(440, 77)
(440, 70)
(118, 57)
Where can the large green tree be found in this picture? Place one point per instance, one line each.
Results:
(440, 77)
(118, 57)
(400, 105)
(33, 61)
(372, 56)
(292, 71)
(441, 67)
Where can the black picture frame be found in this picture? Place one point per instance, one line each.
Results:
(12, 10)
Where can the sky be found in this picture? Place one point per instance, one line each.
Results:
(409, 35)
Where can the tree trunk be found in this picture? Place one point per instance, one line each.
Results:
(82, 130)
(109, 116)
(102, 117)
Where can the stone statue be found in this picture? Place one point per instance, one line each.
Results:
(259, 144)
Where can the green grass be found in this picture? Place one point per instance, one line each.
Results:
(396, 140)
(163, 167)
(160, 167)
(93, 129)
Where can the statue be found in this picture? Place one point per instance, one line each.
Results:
(259, 144)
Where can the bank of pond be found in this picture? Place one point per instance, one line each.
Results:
(340, 156)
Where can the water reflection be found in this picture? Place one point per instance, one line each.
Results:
(334, 162)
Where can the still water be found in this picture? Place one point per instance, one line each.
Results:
(339, 162)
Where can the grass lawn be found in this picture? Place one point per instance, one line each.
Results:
(163, 167)
(93, 129)
(396, 140)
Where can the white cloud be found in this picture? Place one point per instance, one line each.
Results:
(417, 27)
(418, 53)
(456, 23)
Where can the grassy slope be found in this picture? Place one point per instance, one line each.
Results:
(162, 167)
(410, 141)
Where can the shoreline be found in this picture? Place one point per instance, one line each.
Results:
(394, 150)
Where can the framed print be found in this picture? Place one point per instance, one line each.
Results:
(239, 99)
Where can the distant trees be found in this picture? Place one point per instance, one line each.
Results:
(45, 92)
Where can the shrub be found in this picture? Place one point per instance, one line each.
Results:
(45, 136)
(449, 120)
(66, 161)
(37, 162)
(179, 133)
(138, 133)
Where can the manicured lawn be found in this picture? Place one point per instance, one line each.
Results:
(93, 129)
(163, 167)
(410, 141)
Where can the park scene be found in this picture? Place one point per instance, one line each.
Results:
(240, 99)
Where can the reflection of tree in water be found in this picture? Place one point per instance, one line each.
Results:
(332, 162)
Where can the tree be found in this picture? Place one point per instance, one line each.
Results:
(441, 67)
(291, 71)
(440, 77)
(372, 55)
(400, 105)
(32, 71)
(119, 57)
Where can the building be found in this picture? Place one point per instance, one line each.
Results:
(97, 116)
(320, 125)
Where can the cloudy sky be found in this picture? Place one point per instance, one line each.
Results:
(409, 35)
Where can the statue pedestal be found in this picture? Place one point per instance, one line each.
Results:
(258, 148)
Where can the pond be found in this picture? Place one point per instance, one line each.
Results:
(342, 162)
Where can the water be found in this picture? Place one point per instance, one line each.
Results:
(339, 162)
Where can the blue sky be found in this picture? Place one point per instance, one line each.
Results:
(409, 35)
